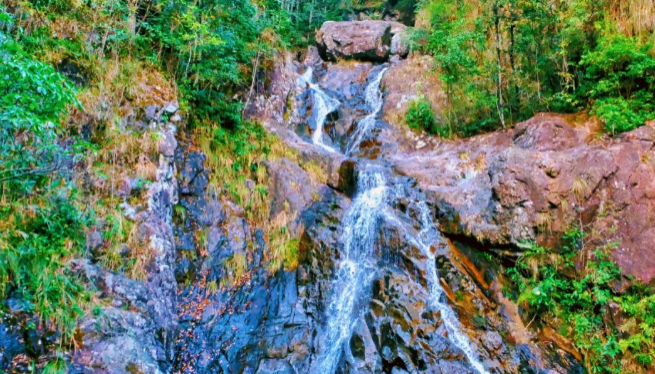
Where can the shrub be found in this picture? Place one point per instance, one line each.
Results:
(421, 117)
(621, 115)
(41, 228)
(36, 241)
(33, 98)
(620, 77)
(576, 302)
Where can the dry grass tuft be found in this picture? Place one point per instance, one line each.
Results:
(544, 222)
(580, 189)
(315, 172)
(236, 268)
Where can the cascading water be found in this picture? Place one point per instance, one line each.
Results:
(323, 105)
(426, 236)
(358, 267)
(354, 274)
(374, 101)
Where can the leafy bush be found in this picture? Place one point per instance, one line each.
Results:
(620, 77)
(421, 117)
(577, 302)
(621, 115)
(36, 241)
(41, 228)
(33, 98)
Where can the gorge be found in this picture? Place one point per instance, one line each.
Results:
(327, 225)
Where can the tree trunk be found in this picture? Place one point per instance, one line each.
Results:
(499, 102)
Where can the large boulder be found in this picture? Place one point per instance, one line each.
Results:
(399, 39)
(360, 40)
(536, 181)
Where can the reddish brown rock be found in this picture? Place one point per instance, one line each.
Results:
(407, 80)
(360, 40)
(536, 181)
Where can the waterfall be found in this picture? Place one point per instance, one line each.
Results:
(374, 101)
(357, 268)
(323, 105)
(354, 274)
(427, 235)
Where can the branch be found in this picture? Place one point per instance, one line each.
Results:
(25, 172)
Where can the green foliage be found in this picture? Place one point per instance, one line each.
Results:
(504, 60)
(620, 77)
(41, 228)
(577, 302)
(33, 99)
(36, 241)
(421, 117)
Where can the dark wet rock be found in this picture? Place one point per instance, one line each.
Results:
(193, 176)
(400, 11)
(360, 40)
(73, 71)
(265, 325)
(12, 343)
(347, 177)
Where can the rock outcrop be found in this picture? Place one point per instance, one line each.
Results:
(536, 181)
(361, 40)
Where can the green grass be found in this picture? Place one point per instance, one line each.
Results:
(36, 242)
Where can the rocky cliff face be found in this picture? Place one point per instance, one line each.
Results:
(394, 272)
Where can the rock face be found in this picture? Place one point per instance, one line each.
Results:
(361, 40)
(399, 330)
(137, 331)
(534, 182)
(431, 302)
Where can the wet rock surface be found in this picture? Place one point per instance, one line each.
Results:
(398, 330)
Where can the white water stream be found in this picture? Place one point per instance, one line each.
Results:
(354, 274)
(366, 124)
(357, 268)
(427, 235)
(323, 105)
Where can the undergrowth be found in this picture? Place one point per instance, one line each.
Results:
(420, 116)
(42, 222)
(576, 291)
(237, 160)
(39, 236)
